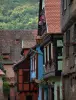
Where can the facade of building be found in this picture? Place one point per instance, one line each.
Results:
(51, 46)
(25, 88)
(36, 58)
(69, 48)
(11, 44)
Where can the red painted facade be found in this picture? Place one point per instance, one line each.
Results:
(25, 88)
(26, 52)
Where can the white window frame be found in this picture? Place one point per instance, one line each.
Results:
(35, 63)
(44, 55)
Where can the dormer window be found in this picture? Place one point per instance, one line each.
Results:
(6, 56)
(17, 41)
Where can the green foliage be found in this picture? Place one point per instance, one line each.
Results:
(6, 88)
(18, 14)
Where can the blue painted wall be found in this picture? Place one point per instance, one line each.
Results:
(40, 69)
(40, 63)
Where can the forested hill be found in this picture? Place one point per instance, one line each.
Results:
(18, 14)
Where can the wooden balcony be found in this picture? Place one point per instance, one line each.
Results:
(50, 69)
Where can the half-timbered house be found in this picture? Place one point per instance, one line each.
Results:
(50, 32)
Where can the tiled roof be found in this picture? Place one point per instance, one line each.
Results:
(11, 42)
(29, 44)
(52, 14)
(8, 37)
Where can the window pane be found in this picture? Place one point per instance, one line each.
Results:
(59, 51)
(33, 63)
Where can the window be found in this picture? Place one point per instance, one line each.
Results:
(26, 76)
(34, 66)
(33, 63)
(48, 53)
(6, 56)
(67, 42)
(59, 51)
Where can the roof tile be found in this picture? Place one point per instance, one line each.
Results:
(52, 14)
